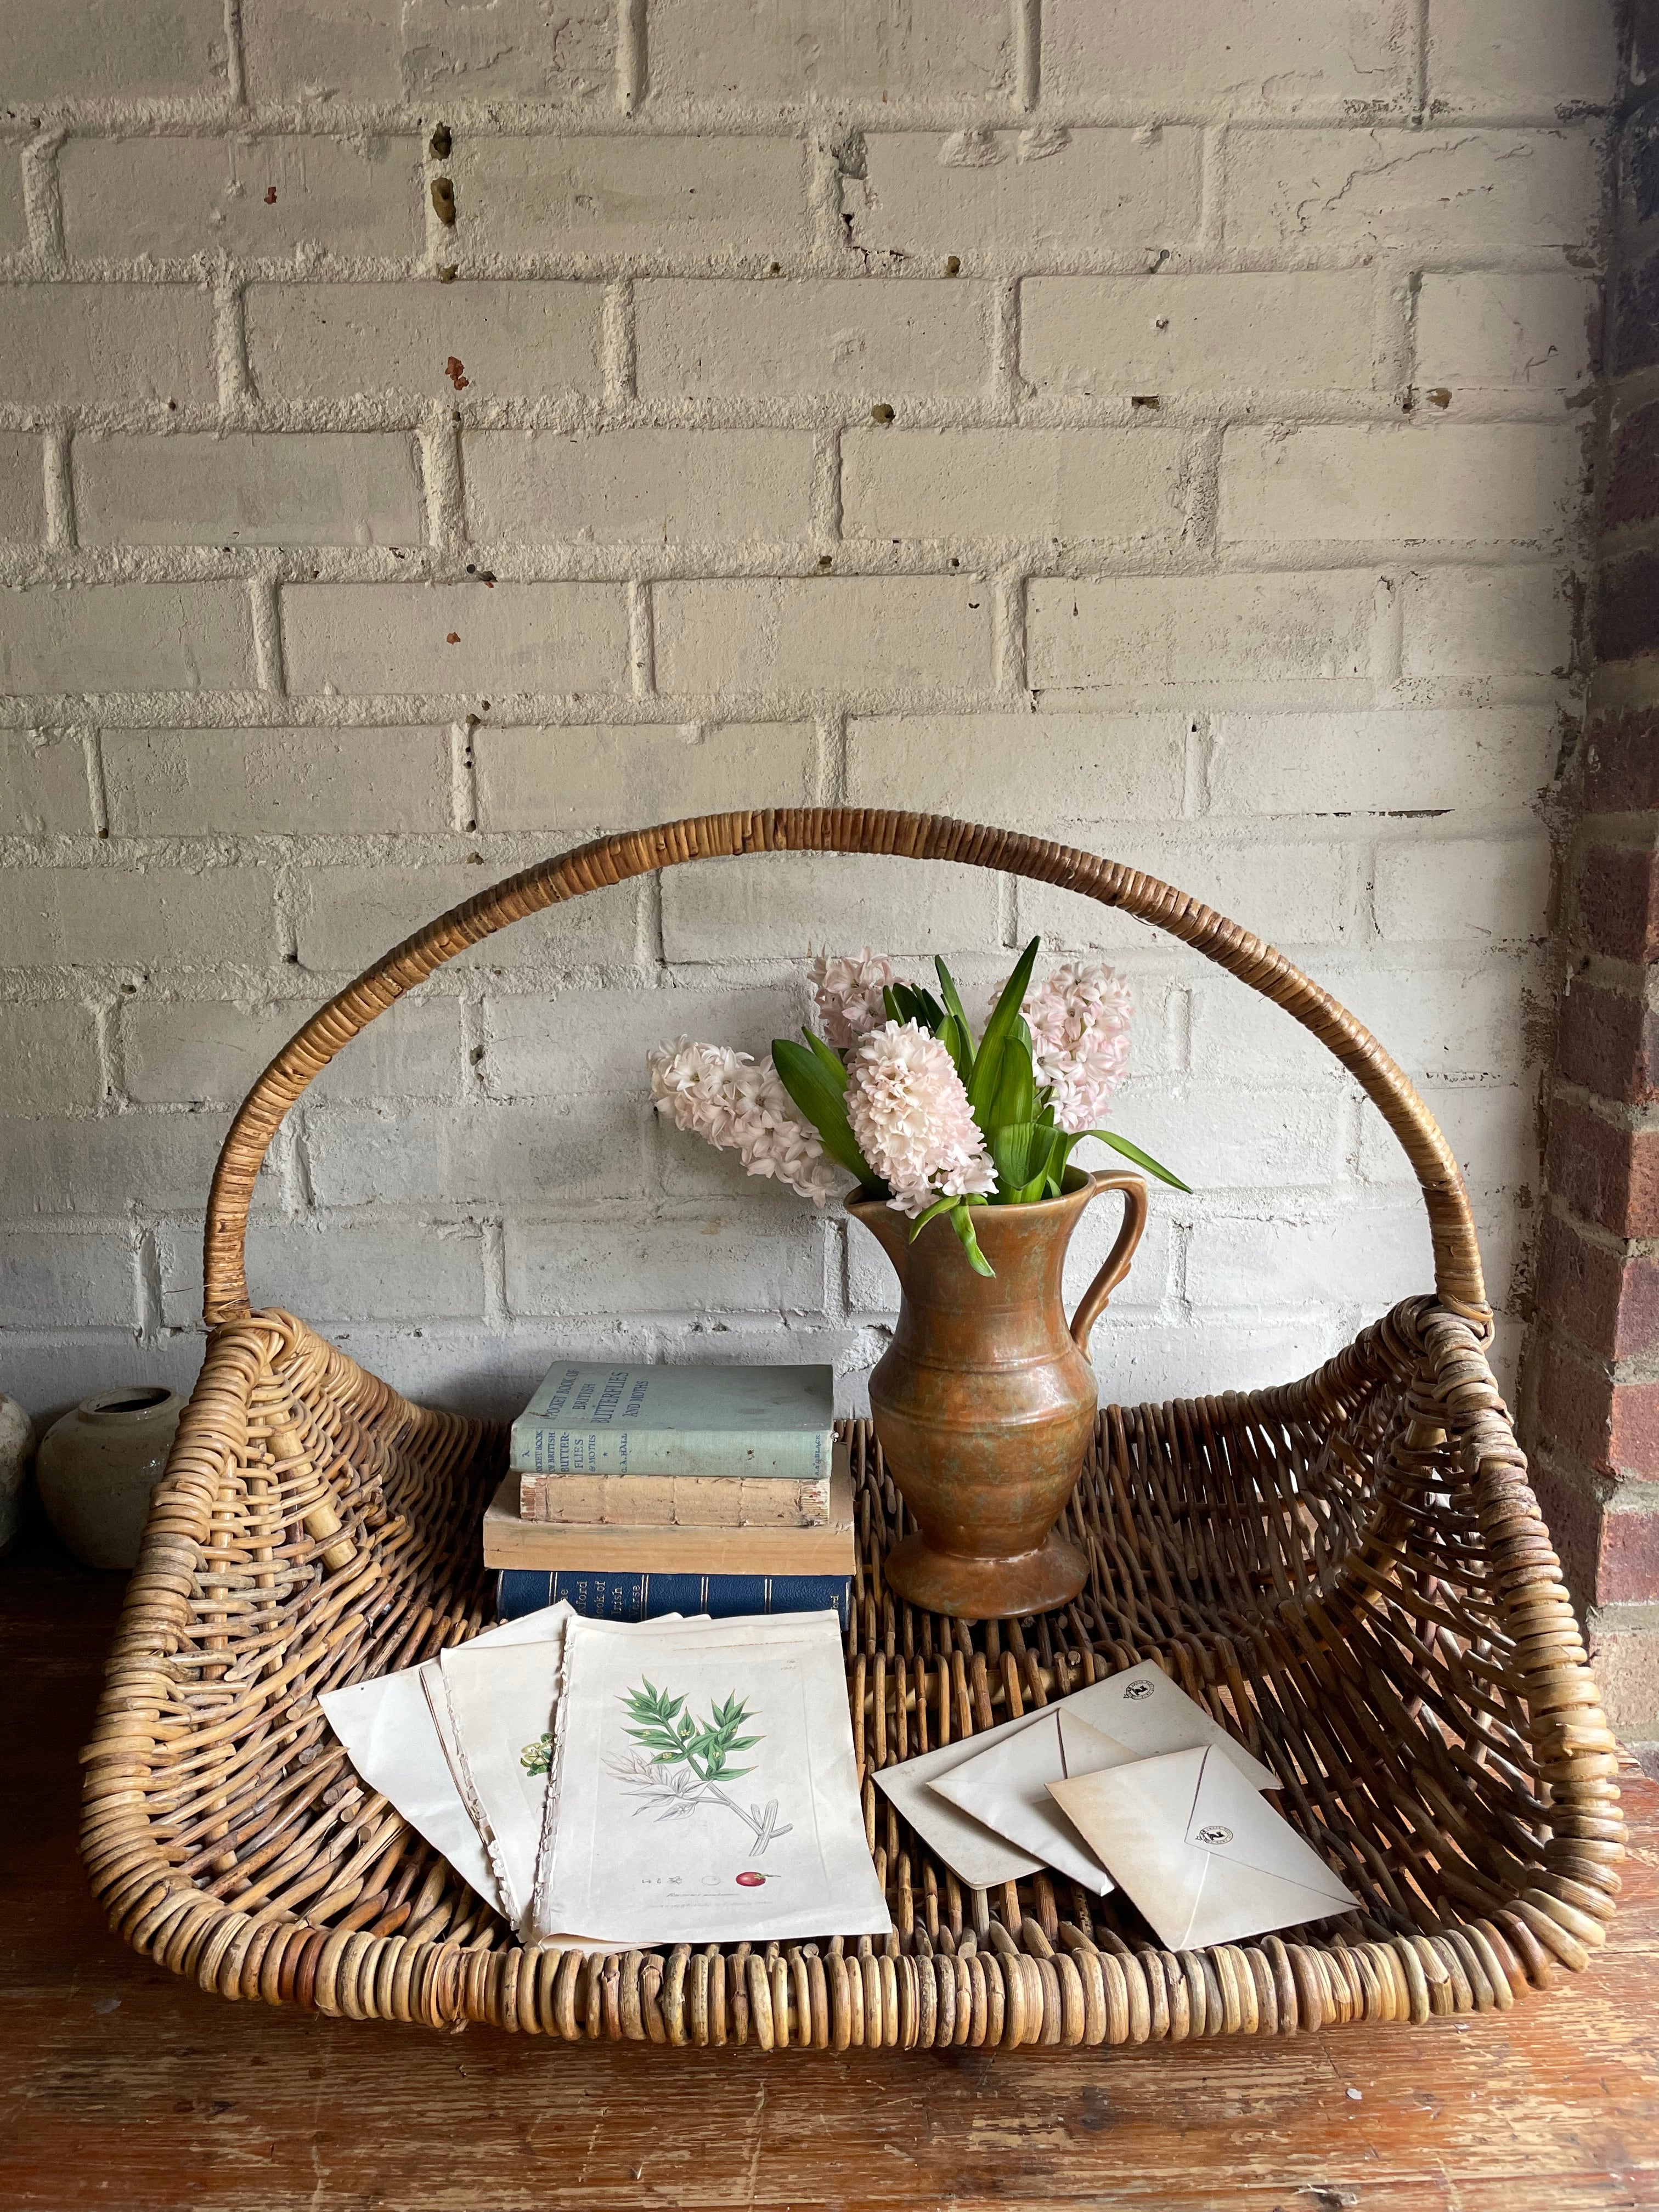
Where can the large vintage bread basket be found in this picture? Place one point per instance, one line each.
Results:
(1350, 1571)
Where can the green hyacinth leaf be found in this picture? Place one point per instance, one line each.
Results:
(962, 1220)
(815, 1091)
(939, 1205)
(954, 1037)
(964, 1056)
(829, 1061)
(1140, 1159)
(1016, 1095)
(987, 1065)
(1023, 1152)
(1019, 1150)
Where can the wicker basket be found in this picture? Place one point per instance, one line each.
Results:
(1350, 1571)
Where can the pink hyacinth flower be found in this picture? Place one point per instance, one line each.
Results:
(1079, 1021)
(910, 1115)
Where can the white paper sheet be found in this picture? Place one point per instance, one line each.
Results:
(499, 1706)
(704, 1788)
(388, 1730)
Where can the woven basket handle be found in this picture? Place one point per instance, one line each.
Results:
(609, 860)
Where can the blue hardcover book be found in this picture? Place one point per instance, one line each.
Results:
(619, 1596)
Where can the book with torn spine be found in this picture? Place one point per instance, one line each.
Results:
(674, 1501)
(825, 1548)
(732, 1423)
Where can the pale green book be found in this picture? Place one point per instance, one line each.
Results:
(743, 1422)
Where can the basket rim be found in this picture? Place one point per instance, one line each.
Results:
(1029, 1985)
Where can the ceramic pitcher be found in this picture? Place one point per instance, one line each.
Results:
(985, 1401)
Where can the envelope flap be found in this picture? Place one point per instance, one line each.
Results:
(1134, 1819)
(1231, 1821)
(1005, 1788)
(1144, 1710)
(1085, 1750)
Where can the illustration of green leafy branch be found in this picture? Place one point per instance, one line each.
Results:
(670, 1736)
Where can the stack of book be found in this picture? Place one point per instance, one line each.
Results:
(637, 1492)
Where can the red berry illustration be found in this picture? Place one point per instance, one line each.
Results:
(751, 1879)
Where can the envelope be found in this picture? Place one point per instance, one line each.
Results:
(1007, 1787)
(972, 1851)
(1198, 1848)
(1140, 1709)
(1145, 1711)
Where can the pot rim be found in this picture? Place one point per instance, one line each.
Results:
(1085, 1181)
(107, 1407)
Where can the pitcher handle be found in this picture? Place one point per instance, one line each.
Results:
(1116, 1266)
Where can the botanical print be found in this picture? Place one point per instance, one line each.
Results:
(670, 1738)
(536, 1757)
(704, 1787)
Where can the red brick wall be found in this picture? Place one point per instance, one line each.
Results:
(1594, 1375)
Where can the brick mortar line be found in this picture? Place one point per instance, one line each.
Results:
(1636, 980)
(1305, 1207)
(58, 493)
(1637, 1369)
(795, 562)
(1602, 1488)
(43, 209)
(202, 855)
(255, 710)
(1419, 93)
(1608, 1242)
(488, 120)
(1172, 967)
(633, 57)
(1028, 54)
(235, 57)
(785, 263)
(1613, 1112)
(579, 417)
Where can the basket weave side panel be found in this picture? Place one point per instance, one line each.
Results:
(610, 860)
(1350, 1571)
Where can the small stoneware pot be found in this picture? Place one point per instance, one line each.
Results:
(98, 1465)
(985, 1401)
(16, 1448)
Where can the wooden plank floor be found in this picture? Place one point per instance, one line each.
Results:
(123, 2088)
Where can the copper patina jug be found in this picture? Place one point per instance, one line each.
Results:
(985, 1401)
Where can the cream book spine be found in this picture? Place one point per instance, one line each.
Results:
(822, 1548)
(674, 1501)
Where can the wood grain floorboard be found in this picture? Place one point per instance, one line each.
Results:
(121, 2087)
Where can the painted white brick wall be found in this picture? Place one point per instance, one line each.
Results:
(1161, 433)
